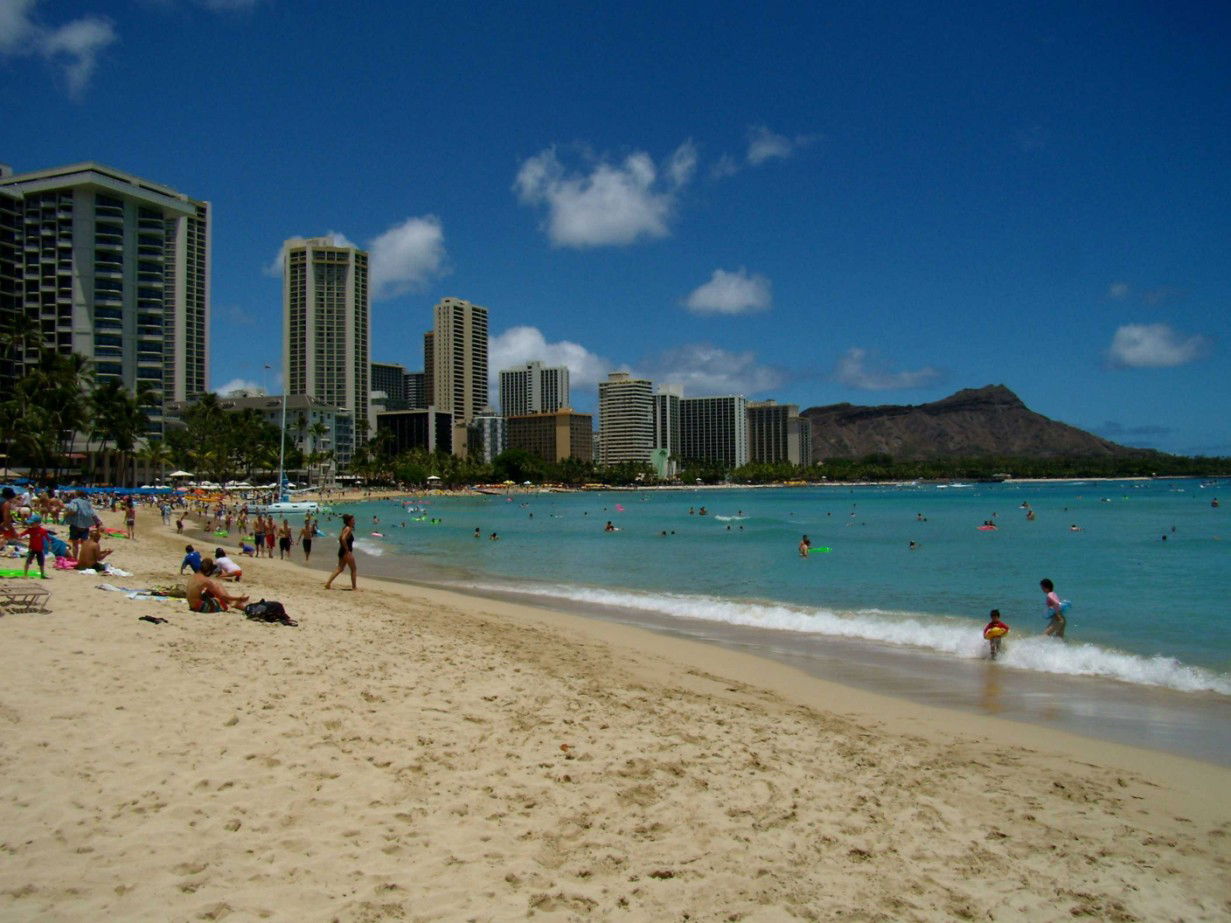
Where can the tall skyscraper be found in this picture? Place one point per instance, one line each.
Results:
(714, 429)
(667, 419)
(415, 384)
(10, 285)
(625, 419)
(776, 432)
(115, 268)
(325, 325)
(429, 368)
(533, 388)
(459, 364)
(390, 379)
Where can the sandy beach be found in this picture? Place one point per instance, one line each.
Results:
(414, 754)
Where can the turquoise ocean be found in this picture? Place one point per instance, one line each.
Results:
(1147, 657)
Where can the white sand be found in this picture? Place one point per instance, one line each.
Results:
(415, 754)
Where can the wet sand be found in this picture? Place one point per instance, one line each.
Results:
(412, 753)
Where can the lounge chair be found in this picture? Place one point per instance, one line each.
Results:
(23, 598)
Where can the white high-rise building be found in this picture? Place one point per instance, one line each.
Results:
(533, 388)
(459, 364)
(667, 419)
(116, 269)
(325, 326)
(625, 419)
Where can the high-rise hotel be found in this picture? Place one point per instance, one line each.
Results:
(625, 419)
(458, 353)
(325, 326)
(114, 268)
(533, 388)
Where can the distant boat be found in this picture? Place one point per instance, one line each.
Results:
(289, 507)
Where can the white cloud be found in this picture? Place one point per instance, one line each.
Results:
(1118, 290)
(406, 256)
(704, 370)
(683, 163)
(858, 369)
(1154, 346)
(723, 167)
(730, 293)
(519, 345)
(613, 204)
(403, 258)
(240, 386)
(75, 45)
(764, 145)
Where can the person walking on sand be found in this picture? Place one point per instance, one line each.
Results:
(130, 518)
(36, 542)
(305, 539)
(1055, 610)
(284, 540)
(346, 552)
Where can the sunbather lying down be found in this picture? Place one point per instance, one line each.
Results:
(206, 594)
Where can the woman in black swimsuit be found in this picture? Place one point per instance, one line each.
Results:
(346, 551)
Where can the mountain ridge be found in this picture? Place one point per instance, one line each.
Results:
(970, 423)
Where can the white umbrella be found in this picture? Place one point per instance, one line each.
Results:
(180, 474)
(432, 477)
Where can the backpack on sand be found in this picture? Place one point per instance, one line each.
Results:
(269, 611)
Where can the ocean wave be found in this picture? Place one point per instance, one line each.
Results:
(957, 637)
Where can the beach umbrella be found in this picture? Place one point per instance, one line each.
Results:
(180, 474)
(432, 477)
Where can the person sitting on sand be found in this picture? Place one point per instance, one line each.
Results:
(225, 568)
(89, 554)
(205, 594)
(192, 559)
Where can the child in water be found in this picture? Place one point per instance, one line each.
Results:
(994, 631)
(1055, 609)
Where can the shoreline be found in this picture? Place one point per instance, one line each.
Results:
(1191, 724)
(417, 752)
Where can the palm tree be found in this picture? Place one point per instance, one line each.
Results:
(156, 455)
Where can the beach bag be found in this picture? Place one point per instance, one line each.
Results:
(269, 611)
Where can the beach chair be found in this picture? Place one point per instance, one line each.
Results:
(23, 598)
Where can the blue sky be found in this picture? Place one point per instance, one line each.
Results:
(810, 202)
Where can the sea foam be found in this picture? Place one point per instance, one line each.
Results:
(956, 637)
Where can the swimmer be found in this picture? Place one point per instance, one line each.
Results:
(805, 545)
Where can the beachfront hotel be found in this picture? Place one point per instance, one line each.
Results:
(777, 433)
(553, 436)
(114, 268)
(625, 419)
(714, 429)
(533, 388)
(325, 327)
(459, 364)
